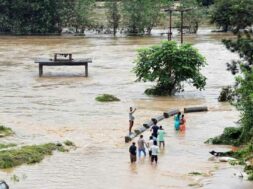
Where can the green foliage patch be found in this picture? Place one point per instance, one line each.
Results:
(230, 136)
(107, 98)
(2, 146)
(226, 95)
(27, 154)
(5, 131)
(194, 173)
(170, 65)
(68, 143)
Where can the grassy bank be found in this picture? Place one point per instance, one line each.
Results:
(5, 131)
(29, 154)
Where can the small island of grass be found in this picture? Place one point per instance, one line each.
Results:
(28, 154)
(2, 146)
(107, 98)
(5, 131)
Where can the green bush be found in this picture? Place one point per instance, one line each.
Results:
(226, 94)
(69, 143)
(106, 98)
(5, 131)
(7, 145)
(230, 136)
(27, 154)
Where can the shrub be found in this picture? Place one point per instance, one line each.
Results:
(27, 155)
(230, 136)
(5, 131)
(106, 98)
(226, 94)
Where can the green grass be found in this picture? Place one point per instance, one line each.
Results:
(2, 146)
(28, 154)
(107, 98)
(5, 131)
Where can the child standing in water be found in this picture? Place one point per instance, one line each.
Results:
(182, 123)
(131, 119)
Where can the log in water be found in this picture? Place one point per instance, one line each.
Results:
(195, 109)
(170, 113)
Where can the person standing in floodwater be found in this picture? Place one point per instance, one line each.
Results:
(154, 152)
(177, 119)
(161, 134)
(131, 119)
(141, 146)
(155, 129)
(182, 123)
(149, 144)
(132, 151)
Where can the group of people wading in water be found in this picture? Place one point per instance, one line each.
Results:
(157, 137)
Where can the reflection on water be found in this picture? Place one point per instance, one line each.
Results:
(61, 106)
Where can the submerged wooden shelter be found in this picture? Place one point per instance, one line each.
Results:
(62, 59)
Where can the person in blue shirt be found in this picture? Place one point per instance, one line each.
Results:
(177, 119)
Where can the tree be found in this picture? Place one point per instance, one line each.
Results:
(193, 17)
(140, 16)
(31, 17)
(113, 15)
(205, 2)
(82, 14)
(243, 90)
(232, 15)
(169, 65)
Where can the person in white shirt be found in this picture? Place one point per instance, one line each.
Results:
(149, 144)
(154, 152)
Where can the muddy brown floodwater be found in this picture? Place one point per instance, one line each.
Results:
(61, 105)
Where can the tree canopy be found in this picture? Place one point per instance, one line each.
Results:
(232, 15)
(26, 17)
(170, 65)
(140, 16)
(243, 90)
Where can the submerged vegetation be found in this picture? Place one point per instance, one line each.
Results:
(28, 154)
(226, 94)
(2, 146)
(107, 98)
(68, 143)
(5, 131)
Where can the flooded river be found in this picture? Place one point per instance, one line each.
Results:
(61, 105)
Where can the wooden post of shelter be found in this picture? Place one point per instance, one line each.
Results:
(170, 10)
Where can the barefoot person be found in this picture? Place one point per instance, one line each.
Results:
(132, 151)
(161, 134)
(131, 119)
(154, 152)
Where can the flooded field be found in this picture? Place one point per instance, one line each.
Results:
(61, 105)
